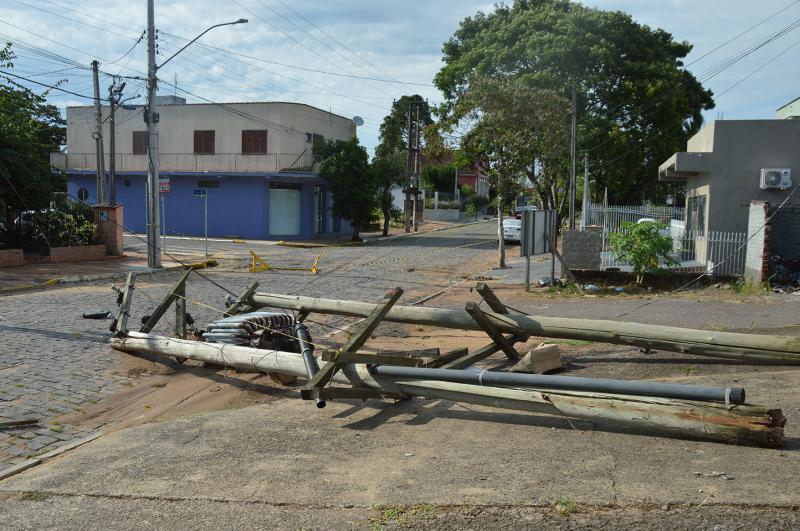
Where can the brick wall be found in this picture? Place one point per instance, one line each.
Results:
(81, 253)
(581, 249)
(11, 258)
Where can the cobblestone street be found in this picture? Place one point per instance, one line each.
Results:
(54, 362)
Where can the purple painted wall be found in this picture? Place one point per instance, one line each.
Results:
(239, 207)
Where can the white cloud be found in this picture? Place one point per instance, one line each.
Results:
(401, 39)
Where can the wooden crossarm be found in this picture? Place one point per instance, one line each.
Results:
(165, 304)
(237, 306)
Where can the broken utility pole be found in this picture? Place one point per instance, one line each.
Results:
(730, 345)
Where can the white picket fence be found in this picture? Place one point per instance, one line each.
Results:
(716, 253)
(611, 217)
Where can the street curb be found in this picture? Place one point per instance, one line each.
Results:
(30, 463)
(203, 264)
(312, 245)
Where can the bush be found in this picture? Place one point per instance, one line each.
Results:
(60, 228)
(642, 245)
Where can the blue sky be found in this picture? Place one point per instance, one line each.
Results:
(376, 38)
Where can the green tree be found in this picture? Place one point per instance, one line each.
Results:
(636, 102)
(352, 183)
(394, 129)
(528, 124)
(388, 172)
(30, 130)
(643, 246)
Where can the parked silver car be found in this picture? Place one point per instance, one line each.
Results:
(512, 230)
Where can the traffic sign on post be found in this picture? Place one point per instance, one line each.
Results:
(164, 186)
(200, 193)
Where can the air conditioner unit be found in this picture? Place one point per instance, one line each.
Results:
(776, 178)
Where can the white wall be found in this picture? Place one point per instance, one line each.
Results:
(286, 125)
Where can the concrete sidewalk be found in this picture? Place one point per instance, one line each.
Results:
(353, 459)
(32, 276)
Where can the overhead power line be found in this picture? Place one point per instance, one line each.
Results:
(53, 87)
(337, 41)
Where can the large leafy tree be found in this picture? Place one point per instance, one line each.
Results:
(636, 103)
(352, 183)
(30, 130)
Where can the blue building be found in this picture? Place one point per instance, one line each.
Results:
(248, 167)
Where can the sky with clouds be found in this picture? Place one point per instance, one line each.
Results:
(383, 39)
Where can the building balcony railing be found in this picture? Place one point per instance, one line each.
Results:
(189, 162)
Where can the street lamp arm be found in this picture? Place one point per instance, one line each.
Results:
(171, 57)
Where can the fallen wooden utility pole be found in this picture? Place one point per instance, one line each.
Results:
(729, 345)
(738, 424)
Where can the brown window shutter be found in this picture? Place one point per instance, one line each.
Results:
(204, 142)
(140, 142)
(254, 142)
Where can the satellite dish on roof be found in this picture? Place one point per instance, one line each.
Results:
(359, 121)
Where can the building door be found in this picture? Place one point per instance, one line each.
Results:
(285, 209)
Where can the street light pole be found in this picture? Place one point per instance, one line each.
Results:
(151, 118)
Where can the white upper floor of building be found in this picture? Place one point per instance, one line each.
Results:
(235, 137)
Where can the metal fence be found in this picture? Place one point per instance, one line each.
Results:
(611, 217)
(716, 253)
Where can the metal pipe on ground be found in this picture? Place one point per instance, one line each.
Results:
(735, 424)
(307, 351)
(732, 395)
(728, 345)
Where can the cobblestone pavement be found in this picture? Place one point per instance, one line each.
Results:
(53, 362)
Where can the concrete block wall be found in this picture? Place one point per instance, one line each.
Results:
(581, 249)
(785, 233)
(756, 263)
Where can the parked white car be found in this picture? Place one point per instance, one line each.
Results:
(512, 229)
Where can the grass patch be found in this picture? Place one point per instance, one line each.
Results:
(35, 496)
(747, 289)
(564, 506)
(402, 515)
(56, 428)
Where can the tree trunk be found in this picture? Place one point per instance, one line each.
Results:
(355, 237)
(386, 214)
(501, 241)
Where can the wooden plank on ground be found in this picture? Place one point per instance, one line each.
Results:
(499, 339)
(370, 358)
(449, 357)
(357, 393)
(478, 355)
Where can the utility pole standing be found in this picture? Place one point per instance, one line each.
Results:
(585, 208)
(114, 96)
(573, 156)
(407, 203)
(98, 137)
(151, 118)
(416, 168)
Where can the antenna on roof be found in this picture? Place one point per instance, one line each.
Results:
(359, 121)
